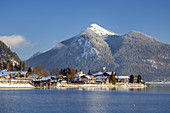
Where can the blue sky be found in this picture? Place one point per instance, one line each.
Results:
(28, 26)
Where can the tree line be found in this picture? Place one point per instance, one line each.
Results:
(71, 72)
(11, 66)
(132, 79)
(40, 71)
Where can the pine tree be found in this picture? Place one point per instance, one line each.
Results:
(1, 65)
(97, 71)
(4, 65)
(89, 73)
(68, 77)
(107, 69)
(29, 70)
(113, 78)
(61, 72)
(8, 65)
(23, 66)
(73, 73)
(139, 79)
(131, 80)
(20, 66)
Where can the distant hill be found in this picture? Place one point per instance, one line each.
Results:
(132, 53)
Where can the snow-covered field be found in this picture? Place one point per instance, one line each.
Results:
(7, 85)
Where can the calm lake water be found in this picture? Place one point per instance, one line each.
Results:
(153, 99)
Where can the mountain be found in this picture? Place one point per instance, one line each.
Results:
(7, 55)
(38, 53)
(96, 47)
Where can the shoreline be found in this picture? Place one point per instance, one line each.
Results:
(157, 83)
(67, 86)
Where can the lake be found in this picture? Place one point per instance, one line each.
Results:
(153, 99)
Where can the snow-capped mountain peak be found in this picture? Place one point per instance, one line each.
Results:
(100, 31)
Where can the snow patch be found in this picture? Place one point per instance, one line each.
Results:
(16, 85)
(94, 51)
(152, 62)
(14, 62)
(58, 46)
(80, 41)
(88, 49)
(164, 57)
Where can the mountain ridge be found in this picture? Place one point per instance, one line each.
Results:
(134, 52)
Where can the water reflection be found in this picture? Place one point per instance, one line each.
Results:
(155, 88)
(86, 100)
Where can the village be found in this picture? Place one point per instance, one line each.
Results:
(22, 79)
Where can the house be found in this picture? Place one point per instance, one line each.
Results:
(104, 77)
(61, 78)
(22, 74)
(12, 74)
(45, 81)
(7, 74)
(100, 77)
(122, 79)
(80, 77)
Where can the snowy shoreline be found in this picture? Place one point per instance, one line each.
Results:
(8, 85)
(27, 85)
(102, 85)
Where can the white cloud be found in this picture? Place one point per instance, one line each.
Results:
(15, 41)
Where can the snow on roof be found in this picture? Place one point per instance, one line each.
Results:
(76, 79)
(100, 77)
(12, 72)
(99, 73)
(109, 73)
(89, 77)
(46, 78)
(4, 70)
(54, 77)
(37, 80)
(98, 80)
(43, 78)
(59, 76)
(6, 73)
(53, 80)
(122, 77)
(79, 74)
(23, 72)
